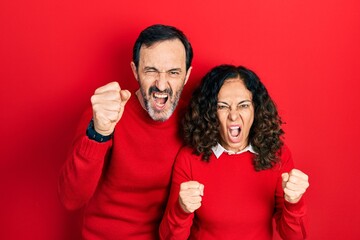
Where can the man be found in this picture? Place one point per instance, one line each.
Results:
(120, 164)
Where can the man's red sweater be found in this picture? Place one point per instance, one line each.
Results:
(123, 183)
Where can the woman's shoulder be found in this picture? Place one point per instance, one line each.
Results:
(285, 151)
(186, 151)
(187, 154)
(285, 157)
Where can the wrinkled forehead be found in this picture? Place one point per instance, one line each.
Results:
(234, 88)
(163, 55)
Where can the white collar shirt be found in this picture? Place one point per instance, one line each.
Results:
(218, 150)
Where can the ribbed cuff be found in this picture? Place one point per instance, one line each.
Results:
(296, 208)
(180, 213)
(91, 149)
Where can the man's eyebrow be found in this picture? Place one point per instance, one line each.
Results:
(155, 69)
(175, 69)
(150, 68)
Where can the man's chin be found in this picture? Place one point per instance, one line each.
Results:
(161, 112)
(162, 115)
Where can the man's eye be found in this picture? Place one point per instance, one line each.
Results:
(174, 73)
(150, 71)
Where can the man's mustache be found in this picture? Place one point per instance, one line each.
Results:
(155, 89)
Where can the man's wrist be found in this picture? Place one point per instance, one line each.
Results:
(94, 135)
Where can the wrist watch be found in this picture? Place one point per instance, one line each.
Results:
(94, 135)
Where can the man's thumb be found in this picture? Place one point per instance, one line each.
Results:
(285, 178)
(125, 95)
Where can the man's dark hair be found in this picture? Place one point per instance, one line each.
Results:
(157, 33)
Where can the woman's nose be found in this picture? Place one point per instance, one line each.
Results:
(234, 114)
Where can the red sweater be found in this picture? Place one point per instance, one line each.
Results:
(238, 202)
(123, 183)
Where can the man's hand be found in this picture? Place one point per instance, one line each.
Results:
(190, 196)
(294, 184)
(108, 104)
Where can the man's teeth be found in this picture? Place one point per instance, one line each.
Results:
(160, 98)
(159, 95)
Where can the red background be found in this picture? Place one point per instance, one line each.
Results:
(53, 54)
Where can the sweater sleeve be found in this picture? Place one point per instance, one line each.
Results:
(176, 223)
(289, 217)
(81, 172)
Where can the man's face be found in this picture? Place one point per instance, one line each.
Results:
(161, 75)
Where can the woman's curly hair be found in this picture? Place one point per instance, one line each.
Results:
(201, 124)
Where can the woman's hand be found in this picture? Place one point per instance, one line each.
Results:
(294, 184)
(190, 196)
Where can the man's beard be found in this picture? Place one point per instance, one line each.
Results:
(165, 114)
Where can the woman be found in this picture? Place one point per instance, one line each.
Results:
(236, 174)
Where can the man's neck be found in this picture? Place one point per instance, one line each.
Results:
(140, 98)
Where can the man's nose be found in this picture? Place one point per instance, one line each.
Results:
(161, 82)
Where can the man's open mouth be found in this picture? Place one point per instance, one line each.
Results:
(160, 98)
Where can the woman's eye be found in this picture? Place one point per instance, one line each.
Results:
(242, 106)
(220, 107)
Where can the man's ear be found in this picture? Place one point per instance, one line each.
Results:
(187, 74)
(134, 70)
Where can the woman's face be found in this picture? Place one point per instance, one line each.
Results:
(235, 111)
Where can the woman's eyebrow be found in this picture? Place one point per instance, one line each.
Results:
(221, 102)
(244, 101)
(241, 102)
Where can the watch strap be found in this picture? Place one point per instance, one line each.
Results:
(94, 135)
